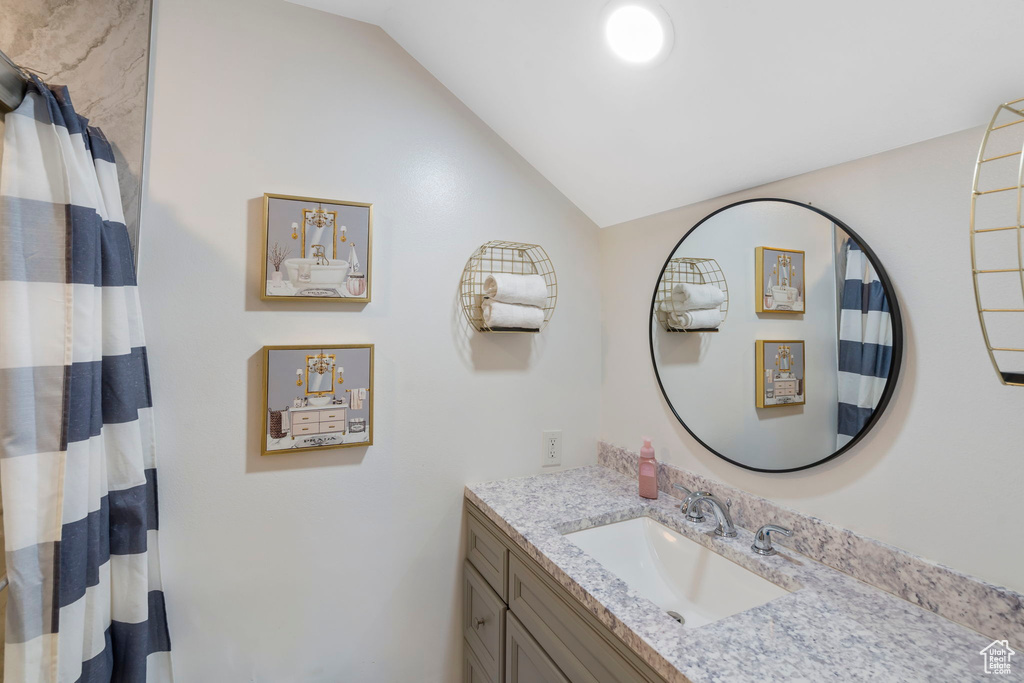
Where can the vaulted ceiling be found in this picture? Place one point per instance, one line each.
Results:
(752, 91)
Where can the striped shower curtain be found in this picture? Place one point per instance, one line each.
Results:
(77, 470)
(865, 343)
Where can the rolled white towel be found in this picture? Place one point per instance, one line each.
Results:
(510, 288)
(673, 306)
(694, 297)
(516, 316)
(704, 319)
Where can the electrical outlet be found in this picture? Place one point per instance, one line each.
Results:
(552, 453)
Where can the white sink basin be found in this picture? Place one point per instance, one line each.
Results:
(674, 572)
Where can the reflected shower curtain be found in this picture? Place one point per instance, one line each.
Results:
(76, 433)
(865, 344)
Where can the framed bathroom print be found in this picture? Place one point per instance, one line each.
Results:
(780, 373)
(316, 249)
(317, 397)
(779, 278)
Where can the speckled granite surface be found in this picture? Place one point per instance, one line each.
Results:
(991, 610)
(830, 627)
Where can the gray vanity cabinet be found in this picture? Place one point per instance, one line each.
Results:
(525, 661)
(522, 626)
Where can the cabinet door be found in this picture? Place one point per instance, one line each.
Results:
(483, 622)
(578, 650)
(525, 661)
(472, 670)
(488, 554)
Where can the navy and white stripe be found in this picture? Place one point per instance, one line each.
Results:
(77, 462)
(865, 344)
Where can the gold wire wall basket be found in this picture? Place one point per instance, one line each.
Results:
(997, 241)
(698, 271)
(505, 257)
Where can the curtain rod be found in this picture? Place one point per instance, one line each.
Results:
(12, 83)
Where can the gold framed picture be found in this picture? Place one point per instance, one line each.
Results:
(780, 373)
(316, 249)
(317, 397)
(779, 274)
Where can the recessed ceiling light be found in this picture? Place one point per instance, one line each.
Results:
(636, 33)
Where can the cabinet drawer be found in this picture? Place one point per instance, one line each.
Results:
(483, 622)
(487, 553)
(331, 415)
(332, 426)
(304, 417)
(785, 388)
(581, 654)
(472, 670)
(299, 429)
(525, 661)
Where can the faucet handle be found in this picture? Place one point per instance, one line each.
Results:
(692, 513)
(682, 488)
(687, 493)
(763, 540)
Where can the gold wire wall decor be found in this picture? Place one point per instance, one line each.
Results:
(997, 241)
(505, 257)
(697, 271)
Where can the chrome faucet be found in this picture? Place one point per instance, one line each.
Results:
(720, 510)
(696, 515)
(763, 540)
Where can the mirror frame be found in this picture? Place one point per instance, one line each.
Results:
(894, 312)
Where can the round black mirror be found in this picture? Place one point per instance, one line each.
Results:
(775, 334)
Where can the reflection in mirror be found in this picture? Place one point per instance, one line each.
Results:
(693, 295)
(809, 355)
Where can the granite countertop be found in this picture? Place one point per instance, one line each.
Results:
(829, 627)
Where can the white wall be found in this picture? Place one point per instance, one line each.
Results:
(338, 565)
(723, 411)
(941, 473)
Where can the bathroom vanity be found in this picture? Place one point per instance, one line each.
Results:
(545, 600)
(313, 420)
(522, 626)
(572, 576)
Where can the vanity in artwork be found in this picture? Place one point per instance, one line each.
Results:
(317, 397)
(780, 373)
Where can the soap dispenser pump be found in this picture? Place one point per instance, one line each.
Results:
(648, 471)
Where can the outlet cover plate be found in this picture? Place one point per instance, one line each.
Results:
(551, 454)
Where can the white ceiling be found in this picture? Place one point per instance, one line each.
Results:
(753, 90)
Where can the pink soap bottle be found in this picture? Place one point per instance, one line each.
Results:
(648, 471)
